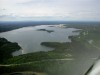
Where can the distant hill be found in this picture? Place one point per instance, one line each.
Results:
(7, 26)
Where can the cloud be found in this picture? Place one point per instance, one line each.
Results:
(51, 9)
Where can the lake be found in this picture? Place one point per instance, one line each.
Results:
(30, 38)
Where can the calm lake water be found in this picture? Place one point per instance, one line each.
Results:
(30, 38)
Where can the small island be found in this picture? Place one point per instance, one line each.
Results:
(49, 31)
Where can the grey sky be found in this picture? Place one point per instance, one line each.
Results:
(67, 10)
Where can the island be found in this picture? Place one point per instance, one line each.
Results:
(49, 31)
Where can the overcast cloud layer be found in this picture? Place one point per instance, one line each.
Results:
(67, 10)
